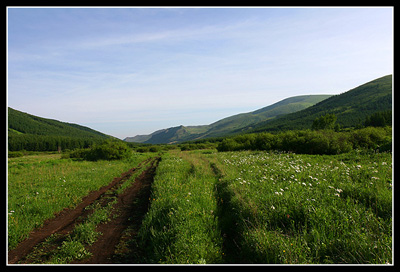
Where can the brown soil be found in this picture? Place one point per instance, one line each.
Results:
(65, 221)
(127, 209)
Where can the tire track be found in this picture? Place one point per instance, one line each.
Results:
(66, 219)
(127, 209)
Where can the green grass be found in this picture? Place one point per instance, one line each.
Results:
(73, 245)
(226, 207)
(259, 207)
(180, 226)
(307, 209)
(41, 185)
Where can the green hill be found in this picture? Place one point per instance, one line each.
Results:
(351, 108)
(237, 122)
(230, 124)
(29, 132)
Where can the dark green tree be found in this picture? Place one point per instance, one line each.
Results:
(379, 119)
(324, 122)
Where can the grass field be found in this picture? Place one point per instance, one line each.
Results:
(306, 209)
(41, 185)
(257, 207)
(228, 207)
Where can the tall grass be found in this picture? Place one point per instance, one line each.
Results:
(259, 207)
(308, 209)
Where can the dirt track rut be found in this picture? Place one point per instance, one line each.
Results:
(103, 249)
(65, 221)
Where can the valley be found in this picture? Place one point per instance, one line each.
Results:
(307, 180)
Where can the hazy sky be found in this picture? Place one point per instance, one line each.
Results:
(128, 71)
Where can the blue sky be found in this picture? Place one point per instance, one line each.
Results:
(129, 71)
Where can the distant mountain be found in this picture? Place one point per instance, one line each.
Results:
(351, 108)
(230, 124)
(30, 132)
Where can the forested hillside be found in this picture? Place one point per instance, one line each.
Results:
(351, 108)
(29, 132)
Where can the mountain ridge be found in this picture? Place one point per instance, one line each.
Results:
(229, 124)
(351, 107)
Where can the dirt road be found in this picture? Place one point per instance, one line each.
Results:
(103, 249)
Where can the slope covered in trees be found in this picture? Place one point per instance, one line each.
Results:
(33, 133)
(351, 108)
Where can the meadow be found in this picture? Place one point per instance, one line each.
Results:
(42, 185)
(211, 207)
(267, 207)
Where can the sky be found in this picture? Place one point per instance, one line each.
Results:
(129, 71)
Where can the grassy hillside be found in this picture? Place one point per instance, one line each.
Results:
(288, 105)
(29, 132)
(230, 124)
(351, 107)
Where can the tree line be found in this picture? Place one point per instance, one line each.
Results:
(313, 141)
(31, 142)
(325, 137)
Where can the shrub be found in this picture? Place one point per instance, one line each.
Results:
(325, 141)
(154, 149)
(370, 137)
(108, 150)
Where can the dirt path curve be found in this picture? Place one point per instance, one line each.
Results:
(127, 209)
(65, 220)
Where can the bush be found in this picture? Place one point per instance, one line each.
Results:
(228, 145)
(154, 149)
(108, 150)
(370, 137)
(312, 141)
(142, 149)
